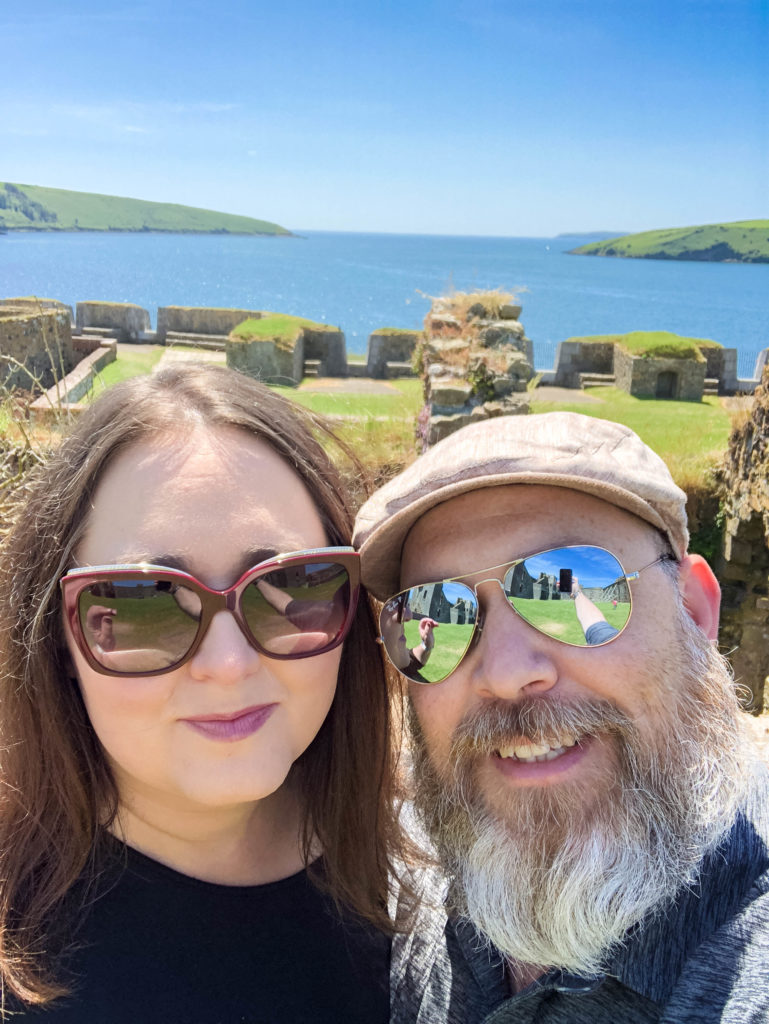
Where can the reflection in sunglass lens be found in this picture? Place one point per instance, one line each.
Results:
(138, 625)
(578, 595)
(453, 609)
(299, 609)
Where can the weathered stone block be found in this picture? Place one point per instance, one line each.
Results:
(389, 346)
(35, 347)
(518, 366)
(679, 379)
(761, 361)
(509, 312)
(442, 324)
(454, 349)
(736, 551)
(574, 357)
(505, 386)
(125, 320)
(450, 393)
(441, 426)
(327, 345)
(496, 335)
(476, 311)
(267, 359)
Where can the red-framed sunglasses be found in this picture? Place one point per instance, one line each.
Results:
(144, 620)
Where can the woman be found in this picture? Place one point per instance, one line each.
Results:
(196, 813)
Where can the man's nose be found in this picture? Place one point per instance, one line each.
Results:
(511, 659)
(224, 654)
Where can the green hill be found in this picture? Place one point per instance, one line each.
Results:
(34, 208)
(742, 241)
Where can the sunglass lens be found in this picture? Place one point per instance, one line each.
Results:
(578, 595)
(298, 610)
(426, 630)
(138, 625)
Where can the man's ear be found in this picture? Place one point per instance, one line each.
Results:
(701, 593)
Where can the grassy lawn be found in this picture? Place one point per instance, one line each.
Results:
(128, 364)
(405, 401)
(689, 436)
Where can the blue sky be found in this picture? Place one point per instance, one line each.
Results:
(484, 117)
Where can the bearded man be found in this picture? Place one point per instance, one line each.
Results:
(578, 753)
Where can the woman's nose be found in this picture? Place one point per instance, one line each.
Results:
(225, 653)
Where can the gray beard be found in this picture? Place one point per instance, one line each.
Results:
(554, 876)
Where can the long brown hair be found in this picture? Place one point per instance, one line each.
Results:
(57, 790)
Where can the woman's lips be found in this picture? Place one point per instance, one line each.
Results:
(229, 728)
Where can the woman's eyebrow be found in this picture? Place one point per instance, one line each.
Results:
(182, 563)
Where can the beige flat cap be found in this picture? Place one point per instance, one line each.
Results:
(563, 449)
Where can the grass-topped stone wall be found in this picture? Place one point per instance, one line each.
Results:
(648, 364)
(275, 347)
(33, 303)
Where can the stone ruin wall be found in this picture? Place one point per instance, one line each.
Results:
(201, 320)
(124, 320)
(574, 358)
(328, 346)
(35, 345)
(268, 359)
(388, 350)
(476, 364)
(743, 568)
(282, 359)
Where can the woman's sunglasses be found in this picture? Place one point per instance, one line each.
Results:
(578, 595)
(143, 620)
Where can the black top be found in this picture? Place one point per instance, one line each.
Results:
(158, 947)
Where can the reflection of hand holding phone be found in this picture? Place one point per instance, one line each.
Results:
(564, 581)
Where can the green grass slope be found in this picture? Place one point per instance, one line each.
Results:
(742, 241)
(32, 207)
(278, 326)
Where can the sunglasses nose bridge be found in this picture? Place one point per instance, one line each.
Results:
(213, 602)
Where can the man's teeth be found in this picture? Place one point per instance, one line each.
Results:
(538, 751)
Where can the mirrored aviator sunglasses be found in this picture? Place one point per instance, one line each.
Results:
(578, 595)
(144, 620)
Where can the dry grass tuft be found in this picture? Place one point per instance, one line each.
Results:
(458, 304)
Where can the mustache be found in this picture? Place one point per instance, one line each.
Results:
(539, 720)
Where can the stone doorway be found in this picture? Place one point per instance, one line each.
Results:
(667, 384)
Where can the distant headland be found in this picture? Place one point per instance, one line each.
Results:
(35, 208)
(742, 241)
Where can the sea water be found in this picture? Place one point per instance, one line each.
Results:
(361, 282)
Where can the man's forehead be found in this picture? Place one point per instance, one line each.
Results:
(512, 521)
